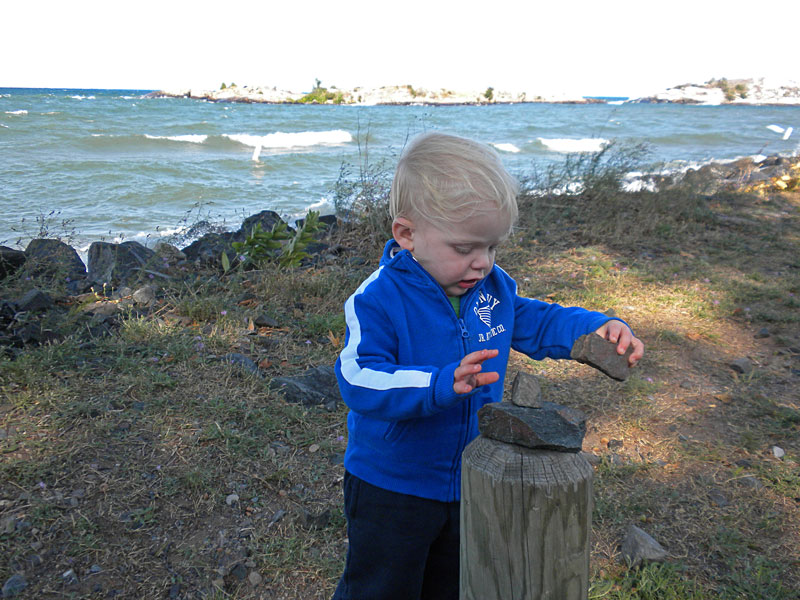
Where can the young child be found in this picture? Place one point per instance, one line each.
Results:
(428, 339)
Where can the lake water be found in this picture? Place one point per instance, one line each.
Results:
(112, 165)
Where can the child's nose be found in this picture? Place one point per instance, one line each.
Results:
(482, 261)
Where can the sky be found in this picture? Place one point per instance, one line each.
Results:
(561, 47)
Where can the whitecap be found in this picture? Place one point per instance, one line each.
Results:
(300, 139)
(635, 181)
(169, 232)
(191, 138)
(323, 206)
(506, 147)
(16, 112)
(572, 145)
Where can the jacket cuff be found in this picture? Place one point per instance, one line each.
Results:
(444, 396)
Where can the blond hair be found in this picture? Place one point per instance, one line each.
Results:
(446, 179)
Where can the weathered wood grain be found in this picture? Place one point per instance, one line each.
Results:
(525, 522)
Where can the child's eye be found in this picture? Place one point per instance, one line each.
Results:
(463, 249)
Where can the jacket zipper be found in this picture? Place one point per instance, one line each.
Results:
(467, 405)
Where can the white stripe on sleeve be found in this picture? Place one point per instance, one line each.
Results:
(369, 378)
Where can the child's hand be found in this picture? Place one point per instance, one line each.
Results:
(468, 376)
(617, 331)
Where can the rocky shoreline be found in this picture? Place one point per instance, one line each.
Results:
(755, 91)
(131, 275)
(758, 92)
(405, 95)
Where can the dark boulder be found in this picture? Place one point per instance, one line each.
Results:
(34, 301)
(209, 248)
(53, 259)
(7, 311)
(266, 218)
(10, 261)
(118, 264)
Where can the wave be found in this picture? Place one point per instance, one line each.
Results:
(191, 138)
(79, 97)
(225, 142)
(572, 145)
(301, 139)
(16, 112)
(506, 147)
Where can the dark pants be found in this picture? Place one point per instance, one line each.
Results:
(401, 547)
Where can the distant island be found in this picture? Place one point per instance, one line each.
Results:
(758, 91)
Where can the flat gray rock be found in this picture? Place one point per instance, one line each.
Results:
(313, 387)
(638, 547)
(742, 365)
(592, 350)
(552, 427)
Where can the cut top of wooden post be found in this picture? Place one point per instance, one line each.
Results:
(595, 351)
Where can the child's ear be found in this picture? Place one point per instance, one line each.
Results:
(403, 233)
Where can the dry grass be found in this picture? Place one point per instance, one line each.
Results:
(123, 453)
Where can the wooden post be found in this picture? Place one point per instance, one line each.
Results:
(525, 523)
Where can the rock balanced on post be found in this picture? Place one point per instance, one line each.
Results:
(526, 493)
(526, 502)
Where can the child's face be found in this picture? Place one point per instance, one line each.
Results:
(459, 255)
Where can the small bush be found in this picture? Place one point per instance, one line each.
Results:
(596, 175)
(585, 194)
(361, 194)
(277, 245)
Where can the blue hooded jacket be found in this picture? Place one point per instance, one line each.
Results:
(407, 427)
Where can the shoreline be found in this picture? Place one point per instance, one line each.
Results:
(769, 174)
(722, 92)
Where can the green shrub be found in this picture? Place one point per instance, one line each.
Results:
(277, 245)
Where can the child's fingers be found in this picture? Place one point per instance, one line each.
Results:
(486, 378)
(638, 351)
(465, 386)
(620, 334)
(479, 356)
(623, 338)
(468, 376)
(464, 372)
